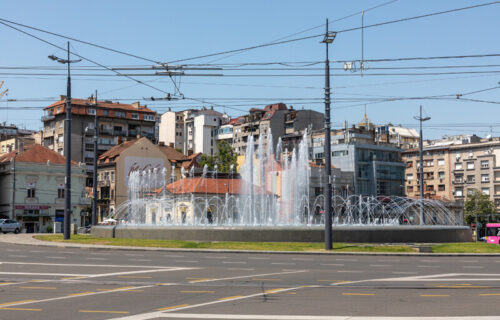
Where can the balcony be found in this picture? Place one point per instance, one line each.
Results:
(103, 183)
(106, 132)
(48, 117)
(120, 133)
(132, 133)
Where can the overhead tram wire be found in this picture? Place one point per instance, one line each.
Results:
(312, 28)
(341, 31)
(82, 57)
(80, 41)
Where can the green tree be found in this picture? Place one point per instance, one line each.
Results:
(478, 204)
(224, 158)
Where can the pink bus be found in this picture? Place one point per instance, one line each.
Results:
(493, 233)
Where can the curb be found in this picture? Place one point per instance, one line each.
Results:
(42, 243)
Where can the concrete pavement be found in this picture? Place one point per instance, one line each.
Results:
(42, 282)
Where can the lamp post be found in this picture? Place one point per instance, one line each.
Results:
(329, 37)
(421, 119)
(94, 174)
(67, 146)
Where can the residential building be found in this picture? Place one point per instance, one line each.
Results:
(455, 167)
(376, 166)
(281, 120)
(399, 136)
(118, 122)
(12, 138)
(191, 131)
(32, 180)
(115, 165)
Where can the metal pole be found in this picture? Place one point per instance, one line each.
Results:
(67, 154)
(328, 176)
(421, 171)
(94, 176)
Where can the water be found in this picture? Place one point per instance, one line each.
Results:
(274, 192)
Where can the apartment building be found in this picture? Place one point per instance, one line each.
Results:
(33, 191)
(405, 138)
(282, 121)
(115, 165)
(191, 131)
(454, 167)
(376, 166)
(13, 138)
(118, 122)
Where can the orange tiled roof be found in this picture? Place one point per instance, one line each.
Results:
(208, 185)
(102, 104)
(173, 154)
(35, 153)
(108, 156)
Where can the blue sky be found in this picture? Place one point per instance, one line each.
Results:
(171, 30)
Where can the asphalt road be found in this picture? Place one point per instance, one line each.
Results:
(73, 283)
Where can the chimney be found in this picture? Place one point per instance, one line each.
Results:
(136, 105)
(61, 97)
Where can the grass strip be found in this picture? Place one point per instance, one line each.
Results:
(263, 246)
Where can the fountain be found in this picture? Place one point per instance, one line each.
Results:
(271, 199)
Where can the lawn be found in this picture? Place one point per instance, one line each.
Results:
(264, 246)
(470, 247)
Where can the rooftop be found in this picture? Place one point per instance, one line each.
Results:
(209, 186)
(35, 154)
(136, 107)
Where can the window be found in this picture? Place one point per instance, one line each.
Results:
(31, 192)
(149, 117)
(120, 114)
(484, 164)
(409, 164)
(135, 116)
(105, 113)
(61, 124)
(440, 162)
(441, 174)
(459, 178)
(429, 187)
(470, 165)
(441, 187)
(91, 111)
(60, 193)
(409, 189)
(485, 191)
(470, 192)
(458, 166)
(409, 176)
(112, 176)
(471, 179)
(340, 153)
(485, 178)
(459, 192)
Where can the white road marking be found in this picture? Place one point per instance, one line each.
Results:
(174, 256)
(208, 257)
(389, 260)
(134, 255)
(36, 251)
(380, 265)
(55, 257)
(404, 272)
(159, 315)
(350, 271)
(475, 267)
(248, 276)
(246, 269)
(97, 258)
(235, 262)
(17, 256)
(427, 266)
(333, 264)
(341, 259)
(302, 259)
(283, 263)
(258, 258)
(469, 261)
(140, 260)
(45, 274)
(83, 265)
(187, 261)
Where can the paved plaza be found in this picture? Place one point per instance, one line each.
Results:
(43, 282)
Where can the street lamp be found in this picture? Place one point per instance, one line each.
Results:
(421, 119)
(329, 37)
(67, 146)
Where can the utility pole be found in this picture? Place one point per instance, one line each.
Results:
(329, 37)
(67, 146)
(94, 176)
(421, 169)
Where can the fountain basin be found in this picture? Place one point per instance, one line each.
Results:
(349, 234)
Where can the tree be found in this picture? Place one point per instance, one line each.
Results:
(224, 158)
(478, 204)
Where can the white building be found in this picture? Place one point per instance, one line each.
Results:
(191, 131)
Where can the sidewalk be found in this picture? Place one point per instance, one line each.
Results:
(27, 239)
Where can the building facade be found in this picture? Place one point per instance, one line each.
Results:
(455, 167)
(117, 123)
(32, 181)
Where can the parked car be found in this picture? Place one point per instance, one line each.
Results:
(8, 225)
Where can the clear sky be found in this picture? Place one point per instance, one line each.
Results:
(172, 30)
